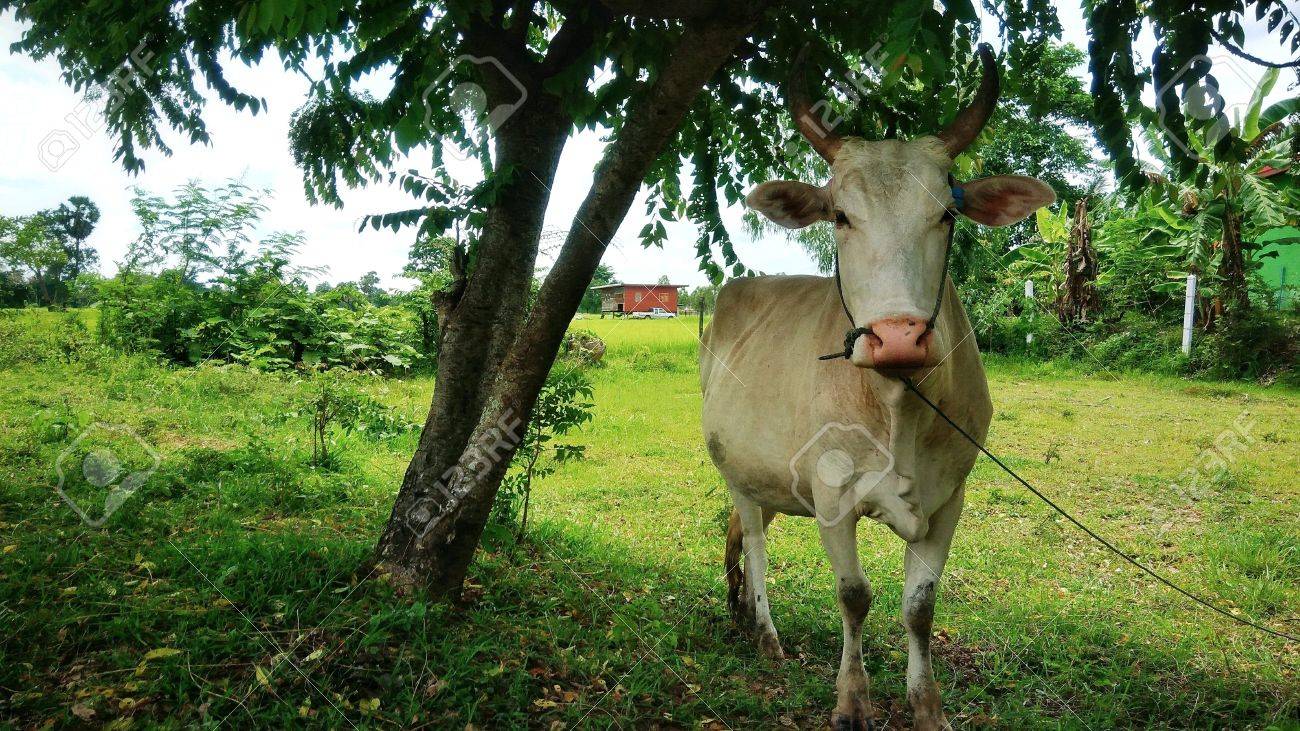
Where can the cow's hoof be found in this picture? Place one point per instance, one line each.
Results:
(769, 645)
(930, 722)
(852, 722)
(927, 709)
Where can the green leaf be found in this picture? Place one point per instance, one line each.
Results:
(1281, 235)
(1250, 126)
(962, 10)
(1279, 111)
(162, 652)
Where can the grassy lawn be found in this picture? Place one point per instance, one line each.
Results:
(225, 590)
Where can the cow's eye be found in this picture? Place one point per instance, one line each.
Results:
(840, 218)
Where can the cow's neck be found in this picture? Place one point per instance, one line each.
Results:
(898, 503)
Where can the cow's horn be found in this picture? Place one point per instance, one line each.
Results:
(969, 121)
(823, 140)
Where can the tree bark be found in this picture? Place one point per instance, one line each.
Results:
(477, 330)
(481, 318)
(447, 504)
(1232, 269)
(1077, 298)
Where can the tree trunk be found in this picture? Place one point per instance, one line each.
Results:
(1077, 298)
(42, 288)
(1232, 269)
(446, 499)
(477, 329)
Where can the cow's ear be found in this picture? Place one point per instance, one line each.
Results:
(1005, 199)
(790, 203)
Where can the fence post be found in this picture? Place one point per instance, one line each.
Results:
(1029, 302)
(1189, 314)
(701, 313)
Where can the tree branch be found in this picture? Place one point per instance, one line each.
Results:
(651, 121)
(573, 39)
(1253, 59)
(676, 9)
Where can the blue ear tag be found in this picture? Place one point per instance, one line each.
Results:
(958, 197)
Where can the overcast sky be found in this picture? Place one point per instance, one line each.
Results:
(57, 149)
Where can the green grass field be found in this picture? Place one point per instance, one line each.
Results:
(225, 590)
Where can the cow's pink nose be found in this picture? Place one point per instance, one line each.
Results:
(899, 344)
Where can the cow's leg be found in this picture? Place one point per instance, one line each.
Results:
(923, 563)
(755, 585)
(853, 709)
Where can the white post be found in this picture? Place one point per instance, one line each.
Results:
(1029, 302)
(1189, 314)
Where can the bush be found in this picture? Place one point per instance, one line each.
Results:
(1264, 346)
(257, 318)
(334, 400)
(582, 345)
(564, 404)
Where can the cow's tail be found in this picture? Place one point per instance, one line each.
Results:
(734, 563)
(734, 566)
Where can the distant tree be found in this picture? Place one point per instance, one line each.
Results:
(1039, 127)
(701, 298)
(14, 288)
(27, 244)
(430, 254)
(1241, 186)
(72, 223)
(591, 300)
(663, 279)
(369, 286)
(196, 228)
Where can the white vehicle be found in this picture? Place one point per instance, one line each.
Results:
(655, 313)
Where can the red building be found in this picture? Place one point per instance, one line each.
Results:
(623, 298)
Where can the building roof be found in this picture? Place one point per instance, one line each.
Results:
(618, 285)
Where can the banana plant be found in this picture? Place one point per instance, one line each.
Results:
(1243, 186)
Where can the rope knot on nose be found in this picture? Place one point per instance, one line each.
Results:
(849, 339)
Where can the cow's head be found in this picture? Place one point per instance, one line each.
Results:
(890, 202)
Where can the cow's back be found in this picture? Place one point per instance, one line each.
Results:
(754, 314)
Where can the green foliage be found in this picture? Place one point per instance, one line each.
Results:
(1179, 70)
(27, 243)
(198, 231)
(254, 317)
(72, 223)
(1186, 219)
(254, 308)
(564, 404)
(61, 337)
(333, 400)
(46, 253)
(1264, 346)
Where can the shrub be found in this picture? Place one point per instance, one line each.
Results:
(255, 317)
(583, 346)
(334, 400)
(564, 404)
(1264, 345)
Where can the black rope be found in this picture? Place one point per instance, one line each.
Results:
(851, 336)
(1151, 572)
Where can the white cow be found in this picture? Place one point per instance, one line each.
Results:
(841, 439)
